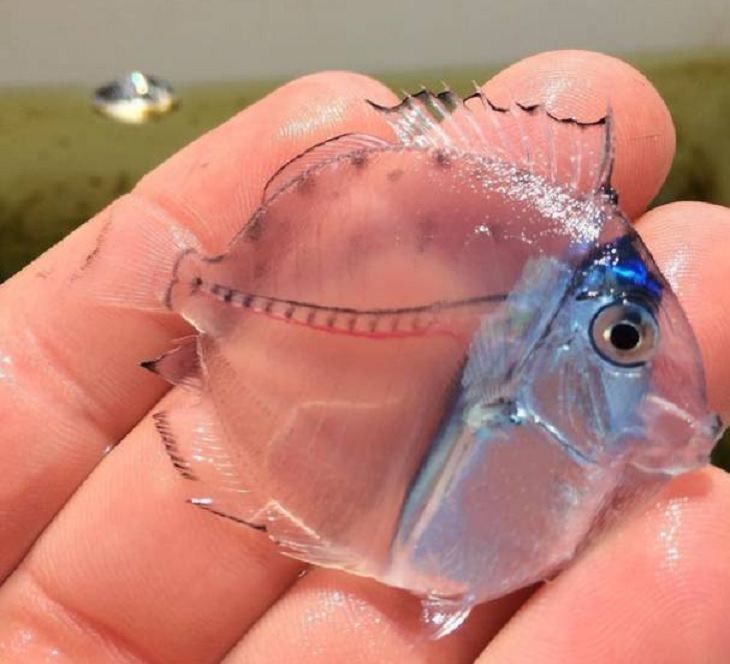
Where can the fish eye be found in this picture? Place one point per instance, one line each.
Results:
(624, 333)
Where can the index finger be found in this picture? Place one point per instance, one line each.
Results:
(70, 382)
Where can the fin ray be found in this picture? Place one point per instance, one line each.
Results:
(193, 440)
(180, 365)
(133, 261)
(292, 539)
(353, 145)
(443, 615)
(528, 137)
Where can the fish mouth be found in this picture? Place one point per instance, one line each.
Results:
(680, 439)
(714, 426)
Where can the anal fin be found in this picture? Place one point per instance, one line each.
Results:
(293, 538)
(180, 365)
(220, 508)
(198, 448)
(196, 445)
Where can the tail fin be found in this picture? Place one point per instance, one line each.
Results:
(135, 259)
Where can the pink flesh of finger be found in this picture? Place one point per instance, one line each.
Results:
(655, 591)
(335, 617)
(128, 565)
(690, 242)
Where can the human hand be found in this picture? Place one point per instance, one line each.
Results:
(127, 571)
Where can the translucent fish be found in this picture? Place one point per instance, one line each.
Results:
(135, 98)
(445, 361)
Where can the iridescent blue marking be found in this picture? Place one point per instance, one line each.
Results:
(619, 267)
(633, 272)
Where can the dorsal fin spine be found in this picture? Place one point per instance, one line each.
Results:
(604, 177)
(524, 138)
(476, 124)
(490, 109)
(575, 160)
(548, 131)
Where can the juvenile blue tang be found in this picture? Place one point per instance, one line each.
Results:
(445, 361)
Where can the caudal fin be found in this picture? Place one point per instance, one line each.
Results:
(135, 261)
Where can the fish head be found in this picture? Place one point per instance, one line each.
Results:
(581, 395)
(618, 375)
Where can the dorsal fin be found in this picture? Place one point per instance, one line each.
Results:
(565, 151)
(355, 145)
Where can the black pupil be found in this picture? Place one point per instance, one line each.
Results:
(625, 336)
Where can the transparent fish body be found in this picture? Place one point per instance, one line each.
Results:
(404, 363)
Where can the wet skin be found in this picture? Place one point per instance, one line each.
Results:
(119, 568)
